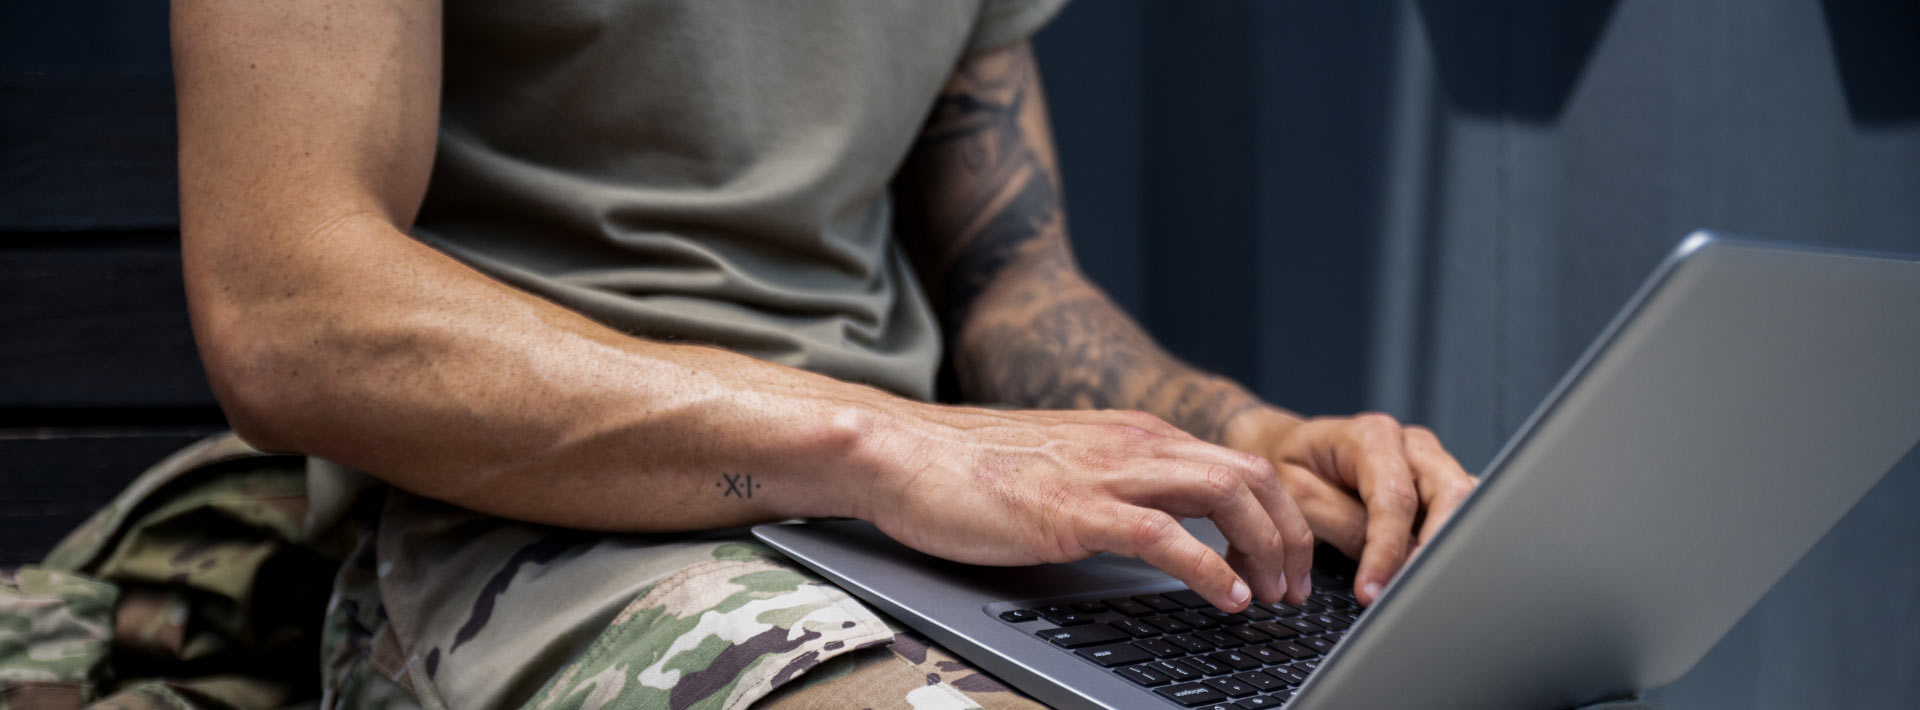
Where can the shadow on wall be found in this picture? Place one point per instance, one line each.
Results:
(1513, 59)
(1877, 45)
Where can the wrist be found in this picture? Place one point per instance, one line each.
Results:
(1255, 430)
(880, 446)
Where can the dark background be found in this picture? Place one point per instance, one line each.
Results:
(1423, 207)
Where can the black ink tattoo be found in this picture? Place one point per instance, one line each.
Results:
(978, 206)
(738, 485)
(1084, 354)
(999, 196)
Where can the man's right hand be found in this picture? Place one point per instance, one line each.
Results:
(1027, 487)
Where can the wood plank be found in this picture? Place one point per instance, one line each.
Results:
(54, 478)
(96, 323)
(87, 152)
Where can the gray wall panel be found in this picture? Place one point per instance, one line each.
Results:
(1504, 174)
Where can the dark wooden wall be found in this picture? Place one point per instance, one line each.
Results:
(98, 375)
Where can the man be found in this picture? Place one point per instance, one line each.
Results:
(666, 278)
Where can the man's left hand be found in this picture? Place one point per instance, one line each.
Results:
(1368, 485)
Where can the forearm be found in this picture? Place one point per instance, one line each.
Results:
(1042, 336)
(368, 348)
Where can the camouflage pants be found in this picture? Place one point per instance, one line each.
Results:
(202, 587)
(450, 608)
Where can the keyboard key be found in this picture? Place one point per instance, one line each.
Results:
(1307, 666)
(1224, 618)
(1274, 629)
(1248, 634)
(1187, 641)
(1265, 655)
(1019, 615)
(1293, 649)
(1195, 619)
(1167, 624)
(1301, 625)
(1089, 607)
(1079, 636)
(1206, 665)
(1218, 638)
(1285, 609)
(1287, 675)
(1255, 612)
(1159, 648)
(1313, 607)
(1187, 598)
(1335, 637)
(1179, 672)
(1118, 654)
(1235, 660)
(1143, 675)
(1330, 622)
(1137, 629)
(1265, 701)
(1230, 686)
(1318, 644)
(1129, 607)
(1062, 616)
(1158, 603)
(1260, 681)
(1191, 694)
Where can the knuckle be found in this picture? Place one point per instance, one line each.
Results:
(1299, 537)
(1377, 421)
(1260, 467)
(1393, 493)
(1422, 435)
(1219, 482)
(1148, 529)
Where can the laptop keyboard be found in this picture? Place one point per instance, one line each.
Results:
(1193, 655)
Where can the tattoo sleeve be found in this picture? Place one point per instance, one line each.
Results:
(979, 210)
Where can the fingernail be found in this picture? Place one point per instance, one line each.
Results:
(1240, 592)
(1283, 584)
(1373, 591)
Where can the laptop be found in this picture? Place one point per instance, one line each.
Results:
(1742, 401)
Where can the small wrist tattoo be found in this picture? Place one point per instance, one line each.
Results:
(737, 485)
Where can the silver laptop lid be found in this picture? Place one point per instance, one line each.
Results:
(1744, 399)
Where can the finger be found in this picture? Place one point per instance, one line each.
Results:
(1296, 536)
(1443, 483)
(1337, 518)
(1157, 539)
(1386, 486)
(1223, 494)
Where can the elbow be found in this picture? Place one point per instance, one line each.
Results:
(240, 363)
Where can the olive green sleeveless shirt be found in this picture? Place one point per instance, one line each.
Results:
(708, 171)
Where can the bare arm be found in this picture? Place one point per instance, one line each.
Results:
(981, 202)
(306, 136)
(982, 214)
